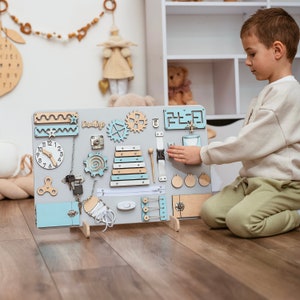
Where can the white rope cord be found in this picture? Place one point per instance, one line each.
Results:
(103, 214)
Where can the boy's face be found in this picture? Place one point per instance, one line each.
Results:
(260, 60)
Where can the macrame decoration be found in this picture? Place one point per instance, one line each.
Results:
(11, 63)
(79, 34)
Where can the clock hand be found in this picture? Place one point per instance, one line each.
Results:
(49, 154)
(46, 152)
(54, 163)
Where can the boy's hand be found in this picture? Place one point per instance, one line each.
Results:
(189, 155)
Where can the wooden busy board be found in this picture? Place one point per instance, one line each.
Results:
(109, 166)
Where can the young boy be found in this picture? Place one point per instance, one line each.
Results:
(265, 199)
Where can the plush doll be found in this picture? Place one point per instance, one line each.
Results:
(117, 64)
(130, 100)
(179, 86)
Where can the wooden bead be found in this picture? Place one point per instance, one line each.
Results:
(26, 28)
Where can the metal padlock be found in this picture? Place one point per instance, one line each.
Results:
(77, 189)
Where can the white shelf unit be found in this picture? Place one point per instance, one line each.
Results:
(204, 37)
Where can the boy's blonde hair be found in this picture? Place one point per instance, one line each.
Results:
(273, 24)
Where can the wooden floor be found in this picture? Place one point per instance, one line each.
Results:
(144, 261)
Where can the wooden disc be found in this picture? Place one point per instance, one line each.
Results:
(190, 180)
(177, 181)
(12, 66)
(204, 179)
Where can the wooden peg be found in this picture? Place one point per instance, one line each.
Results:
(150, 151)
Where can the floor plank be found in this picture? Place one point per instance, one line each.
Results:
(286, 246)
(78, 254)
(119, 282)
(246, 260)
(12, 224)
(23, 272)
(172, 269)
(141, 261)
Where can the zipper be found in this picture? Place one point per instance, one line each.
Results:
(150, 190)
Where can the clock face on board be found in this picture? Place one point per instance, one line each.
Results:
(49, 154)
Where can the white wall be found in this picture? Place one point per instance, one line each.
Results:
(60, 75)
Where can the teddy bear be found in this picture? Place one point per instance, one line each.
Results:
(179, 90)
(130, 99)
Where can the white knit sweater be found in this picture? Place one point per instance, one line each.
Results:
(268, 145)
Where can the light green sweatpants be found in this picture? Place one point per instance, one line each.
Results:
(254, 207)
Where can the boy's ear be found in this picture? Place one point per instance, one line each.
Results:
(279, 49)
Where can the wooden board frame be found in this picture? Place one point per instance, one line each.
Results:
(143, 147)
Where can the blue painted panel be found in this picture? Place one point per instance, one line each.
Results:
(163, 208)
(56, 130)
(128, 159)
(129, 177)
(191, 140)
(56, 214)
(181, 118)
